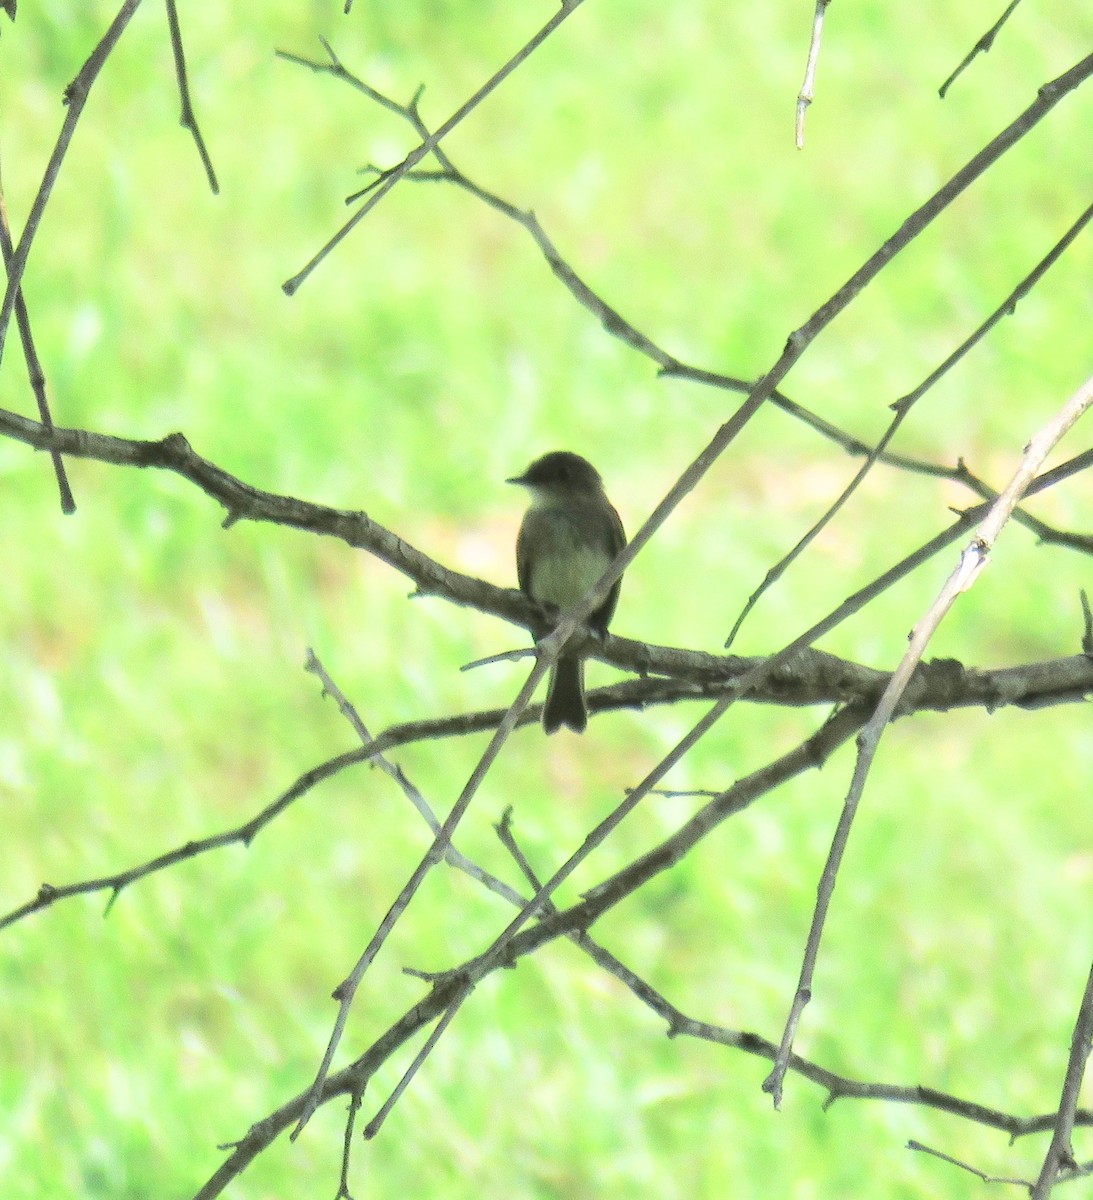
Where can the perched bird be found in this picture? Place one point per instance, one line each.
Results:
(569, 536)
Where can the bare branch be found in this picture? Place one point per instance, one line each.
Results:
(34, 366)
(48, 894)
(981, 47)
(449, 989)
(903, 407)
(188, 119)
(615, 324)
(812, 678)
(1025, 1183)
(804, 97)
(1060, 1153)
(75, 97)
(971, 563)
(390, 178)
(242, 501)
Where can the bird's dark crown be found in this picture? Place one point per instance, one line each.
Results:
(560, 467)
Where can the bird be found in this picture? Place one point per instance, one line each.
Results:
(569, 536)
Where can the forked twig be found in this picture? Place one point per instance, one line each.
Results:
(391, 177)
(345, 992)
(972, 561)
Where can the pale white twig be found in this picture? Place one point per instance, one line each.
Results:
(804, 97)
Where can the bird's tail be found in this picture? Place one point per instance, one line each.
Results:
(565, 696)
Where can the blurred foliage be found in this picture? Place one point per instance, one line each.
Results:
(152, 689)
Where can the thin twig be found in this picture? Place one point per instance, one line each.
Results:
(35, 373)
(390, 178)
(355, 1099)
(1025, 1183)
(452, 856)
(1060, 1153)
(972, 561)
(188, 119)
(981, 47)
(75, 97)
(1087, 618)
(804, 97)
(903, 407)
(48, 894)
(345, 992)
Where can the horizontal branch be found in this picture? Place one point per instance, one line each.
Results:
(808, 677)
(243, 502)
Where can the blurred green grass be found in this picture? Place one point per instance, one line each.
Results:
(153, 689)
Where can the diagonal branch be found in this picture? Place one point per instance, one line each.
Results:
(188, 119)
(903, 407)
(1060, 1154)
(75, 97)
(972, 561)
(389, 178)
(34, 366)
(981, 47)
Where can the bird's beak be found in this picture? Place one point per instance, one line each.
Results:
(519, 479)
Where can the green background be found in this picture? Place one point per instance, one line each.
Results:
(152, 691)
